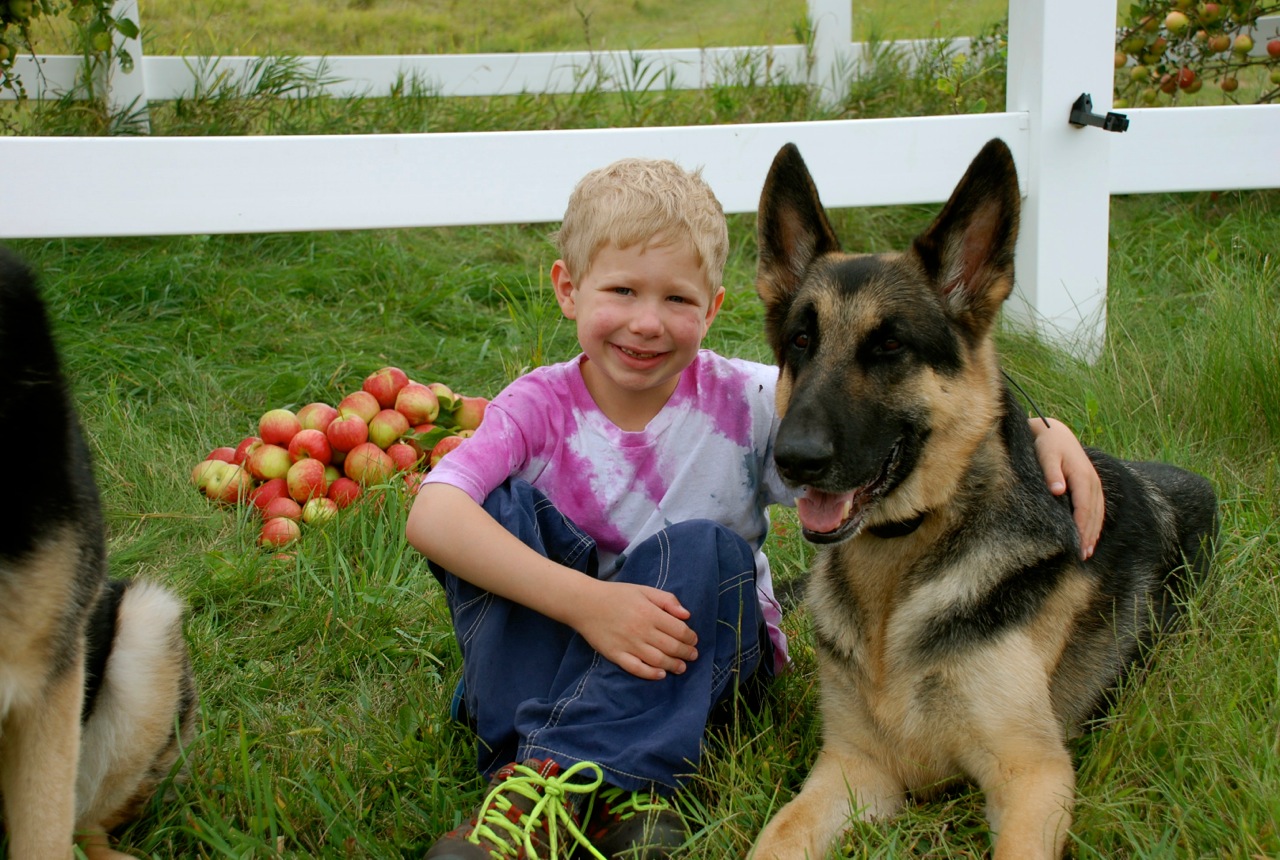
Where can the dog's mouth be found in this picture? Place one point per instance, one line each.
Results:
(832, 517)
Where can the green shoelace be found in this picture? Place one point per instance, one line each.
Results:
(552, 798)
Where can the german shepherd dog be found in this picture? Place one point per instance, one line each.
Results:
(96, 691)
(958, 633)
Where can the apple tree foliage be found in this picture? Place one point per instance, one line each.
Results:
(95, 28)
(1168, 47)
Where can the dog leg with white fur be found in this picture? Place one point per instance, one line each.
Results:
(840, 789)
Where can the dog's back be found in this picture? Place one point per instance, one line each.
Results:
(96, 692)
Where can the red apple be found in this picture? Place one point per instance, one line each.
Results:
(230, 485)
(1186, 77)
(316, 416)
(360, 403)
(346, 432)
(1273, 48)
(1219, 42)
(205, 471)
(264, 493)
(404, 456)
(246, 446)
(319, 510)
(413, 482)
(418, 403)
(385, 384)
(268, 461)
(282, 506)
(1210, 12)
(223, 453)
(279, 531)
(368, 464)
(1230, 84)
(306, 479)
(444, 446)
(470, 412)
(311, 443)
(386, 427)
(442, 392)
(344, 491)
(277, 426)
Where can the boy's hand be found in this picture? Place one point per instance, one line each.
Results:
(1067, 466)
(639, 628)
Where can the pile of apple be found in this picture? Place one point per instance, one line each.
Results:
(303, 467)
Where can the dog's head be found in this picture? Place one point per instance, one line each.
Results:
(885, 360)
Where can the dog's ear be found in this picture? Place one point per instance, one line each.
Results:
(968, 249)
(792, 228)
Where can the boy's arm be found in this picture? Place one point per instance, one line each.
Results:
(640, 629)
(1067, 466)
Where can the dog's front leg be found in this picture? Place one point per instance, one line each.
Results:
(842, 788)
(1029, 800)
(39, 751)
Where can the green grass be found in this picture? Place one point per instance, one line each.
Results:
(325, 677)
(309, 27)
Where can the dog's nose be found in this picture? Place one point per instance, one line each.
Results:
(803, 452)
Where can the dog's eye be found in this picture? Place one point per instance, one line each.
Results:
(889, 346)
(800, 341)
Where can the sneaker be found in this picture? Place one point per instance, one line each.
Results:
(634, 825)
(530, 813)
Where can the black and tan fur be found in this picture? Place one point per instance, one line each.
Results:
(957, 632)
(96, 692)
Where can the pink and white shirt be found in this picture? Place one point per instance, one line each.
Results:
(707, 455)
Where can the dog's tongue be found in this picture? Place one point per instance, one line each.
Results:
(821, 512)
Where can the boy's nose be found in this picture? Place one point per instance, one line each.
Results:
(646, 320)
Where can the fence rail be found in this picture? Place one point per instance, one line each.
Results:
(149, 186)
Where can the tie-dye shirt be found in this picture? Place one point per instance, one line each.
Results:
(707, 455)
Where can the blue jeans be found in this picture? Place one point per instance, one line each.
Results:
(536, 689)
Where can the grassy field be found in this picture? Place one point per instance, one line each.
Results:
(443, 26)
(325, 677)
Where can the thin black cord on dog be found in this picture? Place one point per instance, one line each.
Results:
(1025, 396)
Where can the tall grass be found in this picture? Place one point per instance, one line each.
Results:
(326, 676)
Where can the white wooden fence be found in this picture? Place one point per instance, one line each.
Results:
(164, 186)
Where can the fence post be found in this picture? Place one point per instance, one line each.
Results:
(831, 33)
(1056, 52)
(126, 92)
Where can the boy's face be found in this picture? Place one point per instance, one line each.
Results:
(641, 314)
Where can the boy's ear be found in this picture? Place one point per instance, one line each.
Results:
(712, 309)
(562, 281)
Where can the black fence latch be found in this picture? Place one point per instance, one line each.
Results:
(1082, 114)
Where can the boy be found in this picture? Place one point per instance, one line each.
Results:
(603, 561)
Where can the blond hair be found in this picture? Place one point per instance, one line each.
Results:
(641, 201)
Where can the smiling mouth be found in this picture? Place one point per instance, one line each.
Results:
(832, 517)
(636, 354)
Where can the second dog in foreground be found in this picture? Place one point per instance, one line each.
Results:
(97, 697)
(957, 632)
